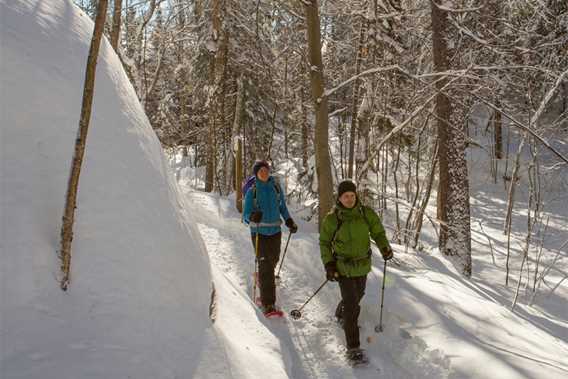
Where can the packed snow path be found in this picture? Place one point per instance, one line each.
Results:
(313, 346)
(437, 324)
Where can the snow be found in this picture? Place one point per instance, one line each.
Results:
(140, 281)
(147, 250)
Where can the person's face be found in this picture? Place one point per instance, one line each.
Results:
(263, 174)
(348, 199)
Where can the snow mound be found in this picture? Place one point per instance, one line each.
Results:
(140, 286)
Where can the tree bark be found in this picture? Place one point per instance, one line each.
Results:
(323, 165)
(216, 91)
(453, 199)
(498, 130)
(353, 132)
(80, 142)
(239, 175)
(443, 112)
(115, 32)
(304, 121)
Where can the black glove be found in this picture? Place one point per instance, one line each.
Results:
(387, 254)
(331, 271)
(255, 217)
(291, 225)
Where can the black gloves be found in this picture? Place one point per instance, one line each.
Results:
(255, 217)
(291, 225)
(331, 271)
(387, 254)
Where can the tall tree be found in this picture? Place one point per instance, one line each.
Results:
(115, 31)
(80, 142)
(453, 196)
(323, 164)
(216, 90)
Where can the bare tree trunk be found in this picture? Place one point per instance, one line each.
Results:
(216, 100)
(239, 175)
(80, 142)
(115, 32)
(427, 193)
(455, 230)
(304, 121)
(417, 189)
(286, 102)
(510, 202)
(498, 130)
(353, 132)
(395, 179)
(443, 112)
(236, 139)
(323, 165)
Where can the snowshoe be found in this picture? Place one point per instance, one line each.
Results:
(356, 357)
(272, 312)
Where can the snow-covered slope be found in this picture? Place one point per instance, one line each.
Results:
(141, 279)
(436, 323)
(140, 286)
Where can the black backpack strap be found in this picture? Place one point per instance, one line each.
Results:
(254, 202)
(339, 222)
(362, 210)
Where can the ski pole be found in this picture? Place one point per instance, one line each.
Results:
(297, 313)
(379, 328)
(255, 275)
(277, 277)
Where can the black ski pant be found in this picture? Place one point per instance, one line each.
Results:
(268, 256)
(348, 309)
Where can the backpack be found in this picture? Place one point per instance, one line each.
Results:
(250, 182)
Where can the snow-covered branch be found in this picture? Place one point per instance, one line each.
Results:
(547, 98)
(375, 70)
(398, 128)
(456, 10)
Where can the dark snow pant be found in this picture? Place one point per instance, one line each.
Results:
(352, 291)
(268, 256)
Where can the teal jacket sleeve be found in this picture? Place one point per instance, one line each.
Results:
(248, 205)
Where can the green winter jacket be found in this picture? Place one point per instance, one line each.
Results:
(352, 244)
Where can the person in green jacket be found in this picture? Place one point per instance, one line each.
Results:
(345, 248)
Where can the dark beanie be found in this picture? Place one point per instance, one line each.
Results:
(346, 186)
(258, 165)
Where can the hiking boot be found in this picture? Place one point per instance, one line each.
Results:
(356, 356)
(270, 311)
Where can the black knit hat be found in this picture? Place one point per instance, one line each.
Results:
(346, 186)
(258, 165)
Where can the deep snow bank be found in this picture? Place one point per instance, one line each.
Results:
(140, 285)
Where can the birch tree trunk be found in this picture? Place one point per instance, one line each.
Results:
(323, 165)
(80, 142)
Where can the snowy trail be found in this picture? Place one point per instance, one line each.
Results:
(311, 347)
